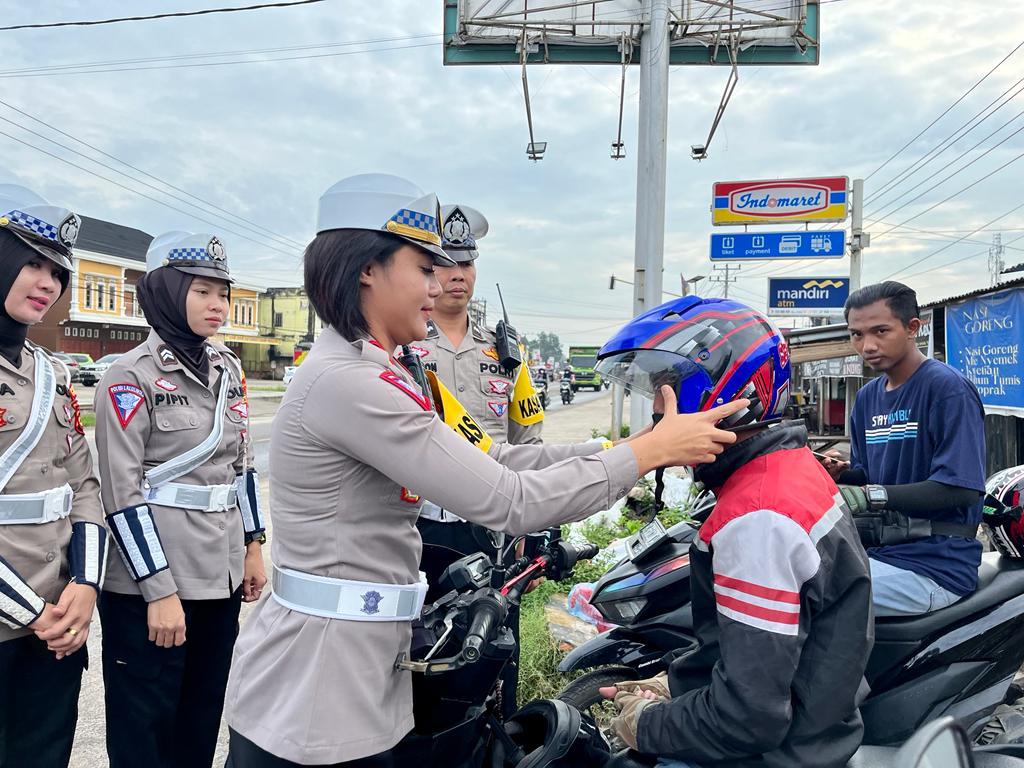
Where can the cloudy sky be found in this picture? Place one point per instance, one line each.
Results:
(313, 101)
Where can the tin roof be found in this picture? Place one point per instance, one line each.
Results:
(979, 292)
(101, 236)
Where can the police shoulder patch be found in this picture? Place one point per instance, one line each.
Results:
(395, 380)
(127, 399)
(498, 407)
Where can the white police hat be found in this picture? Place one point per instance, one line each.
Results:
(461, 227)
(200, 254)
(382, 202)
(47, 229)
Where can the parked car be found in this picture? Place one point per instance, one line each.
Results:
(83, 358)
(289, 372)
(92, 372)
(71, 363)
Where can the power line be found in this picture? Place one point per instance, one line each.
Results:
(957, 261)
(946, 143)
(945, 112)
(950, 245)
(217, 54)
(142, 194)
(947, 178)
(227, 63)
(251, 224)
(176, 14)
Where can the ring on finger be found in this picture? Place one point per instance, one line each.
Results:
(72, 631)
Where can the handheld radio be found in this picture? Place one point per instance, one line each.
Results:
(412, 362)
(506, 340)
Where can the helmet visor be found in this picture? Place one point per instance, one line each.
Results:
(645, 371)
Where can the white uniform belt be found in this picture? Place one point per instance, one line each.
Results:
(208, 498)
(39, 507)
(346, 599)
(430, 511)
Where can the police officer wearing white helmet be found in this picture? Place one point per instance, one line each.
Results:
(182, 504)
(503, 401)
(52, 538)
(353, 447)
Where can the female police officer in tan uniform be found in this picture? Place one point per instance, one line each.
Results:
(51, 529)
(182, 505)
(353, 446)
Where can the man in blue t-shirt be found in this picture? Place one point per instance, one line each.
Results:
(917, 447)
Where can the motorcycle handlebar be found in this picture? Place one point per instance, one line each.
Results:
(488, 614)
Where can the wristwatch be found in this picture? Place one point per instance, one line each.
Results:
(260, 537)
(877, 496)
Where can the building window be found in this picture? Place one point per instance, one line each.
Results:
(99, 295)
(234, 314)
(111, 297)
(248, 314)
(67, 331)
(88, 294)
(278, 319)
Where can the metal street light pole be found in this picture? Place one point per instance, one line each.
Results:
(652, 159)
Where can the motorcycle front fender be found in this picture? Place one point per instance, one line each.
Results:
(611, 647)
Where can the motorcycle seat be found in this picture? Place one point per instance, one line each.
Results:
(999, 579)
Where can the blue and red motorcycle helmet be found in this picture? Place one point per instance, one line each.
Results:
(710, 351)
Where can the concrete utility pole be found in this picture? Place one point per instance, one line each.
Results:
(652, 161)
(859, 239)
(726, 279)
(995, 259)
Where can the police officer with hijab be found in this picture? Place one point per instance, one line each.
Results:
(52, 539)
(463, 354)
(182, 504)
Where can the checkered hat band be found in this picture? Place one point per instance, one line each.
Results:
(188, 254)
(421, 226)
(36, 226)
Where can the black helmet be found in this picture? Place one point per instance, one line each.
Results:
(1004, 495)
(556, 735)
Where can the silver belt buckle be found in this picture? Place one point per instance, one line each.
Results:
(219, 498)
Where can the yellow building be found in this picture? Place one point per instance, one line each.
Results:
(285, 314)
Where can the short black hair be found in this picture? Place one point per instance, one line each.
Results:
(902, 300)
(332, 264)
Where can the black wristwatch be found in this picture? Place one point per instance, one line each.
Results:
(877, 496)
(260, 537)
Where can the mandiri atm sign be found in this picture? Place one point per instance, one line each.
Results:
(776, 202)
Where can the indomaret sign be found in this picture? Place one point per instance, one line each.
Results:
(775, 202)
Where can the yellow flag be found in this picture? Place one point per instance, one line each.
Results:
(526, 408)
(455, 415)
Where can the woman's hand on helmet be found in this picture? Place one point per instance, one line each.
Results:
(684, 439)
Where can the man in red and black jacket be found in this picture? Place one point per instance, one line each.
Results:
(782, 612)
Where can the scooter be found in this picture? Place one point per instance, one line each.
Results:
(566, 390)
(460, 645)
(958, 661)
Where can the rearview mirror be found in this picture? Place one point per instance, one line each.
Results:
(941, 743)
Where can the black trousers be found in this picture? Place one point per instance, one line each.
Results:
(242, 753)
(38, 703)
(164, 704)
(443, 544)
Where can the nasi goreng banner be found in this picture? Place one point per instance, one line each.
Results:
(983, 339)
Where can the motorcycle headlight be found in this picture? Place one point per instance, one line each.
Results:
(623, 611)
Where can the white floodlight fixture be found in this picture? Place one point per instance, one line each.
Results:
(698, 152)
(618, 150)
(535, 150)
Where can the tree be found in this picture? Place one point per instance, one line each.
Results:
(549, 346)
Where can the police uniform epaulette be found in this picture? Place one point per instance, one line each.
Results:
(485, 331)
(432, 332)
